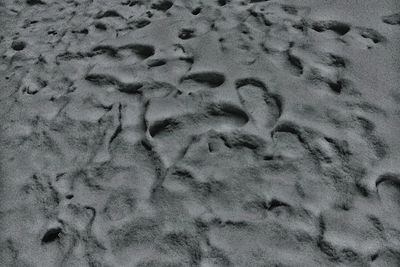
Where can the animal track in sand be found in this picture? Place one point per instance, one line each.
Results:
(263, 107)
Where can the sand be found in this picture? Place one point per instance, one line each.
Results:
(200, 133)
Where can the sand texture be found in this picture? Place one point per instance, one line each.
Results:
(208, 133)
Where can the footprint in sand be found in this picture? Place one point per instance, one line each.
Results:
(388, 187)
(184, 117)
(263, 107)
(196, 81)
(360, 37)
(393, 19)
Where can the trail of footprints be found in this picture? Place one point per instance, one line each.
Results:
(187, 135)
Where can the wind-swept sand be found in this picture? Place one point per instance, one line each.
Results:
(200, 133)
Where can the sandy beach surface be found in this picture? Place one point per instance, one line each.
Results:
(199, 133)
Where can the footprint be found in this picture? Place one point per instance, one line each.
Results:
(296, 64)
(292, 10)
(213, 116)
(196, 11)
(35, 2)
(109, 14)
(130, 2)
(290, 141)
(388, 187)
(18, 45)
(109, 80)
(174, 133)
(393, 19)
(162, 5)
(223, 2)
(52, 235)
(333, 82)
(186, 34)
(371, 34)
(338, 27)
(157, 89)
(336, 61)
(141, 23)
(367, 131)
(207, 78)
(141, 51)
(105, 49)
(156, 63)
(263, 108)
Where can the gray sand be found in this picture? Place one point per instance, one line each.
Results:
(200, 133)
